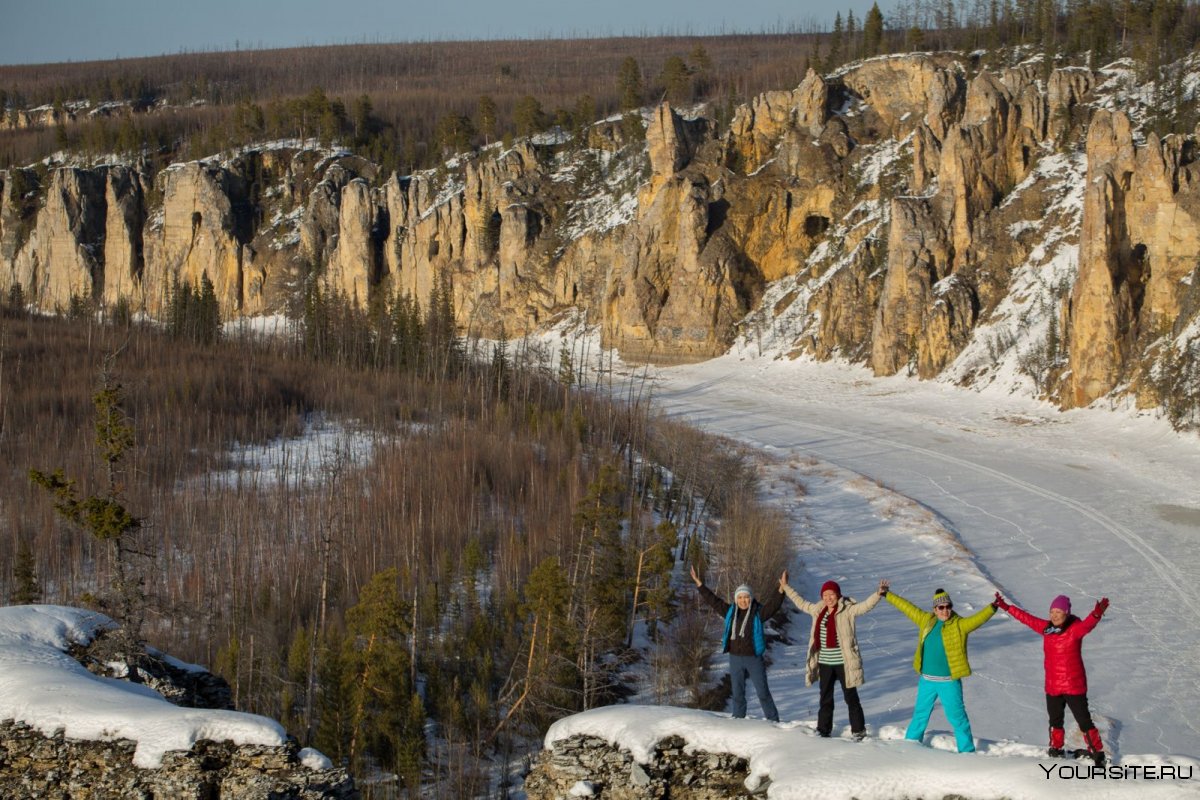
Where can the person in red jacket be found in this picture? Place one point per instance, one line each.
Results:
(1066, 679)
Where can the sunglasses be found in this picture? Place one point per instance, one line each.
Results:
(946, 606)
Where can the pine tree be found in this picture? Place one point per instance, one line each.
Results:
(851, 35)
(835, 42)
(566, 365)
(384, 727)
(873, 32)
(602, 583)
(676, 79)
(333, 700)
(107, 519)
(487, 115)
(629, 84)
(362, 119)
(25, 586)
(528, 116)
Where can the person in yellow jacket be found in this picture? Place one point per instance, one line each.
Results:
(941, 662)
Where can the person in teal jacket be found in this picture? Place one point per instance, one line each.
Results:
(745, 641)
(941, 662)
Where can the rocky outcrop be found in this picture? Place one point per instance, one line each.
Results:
(612, 773)
(1138, 247)
(203, 235)
(124, 250)
(907, 91)
(34, 765)
(885, 192)
(66, 734)
(70, 239)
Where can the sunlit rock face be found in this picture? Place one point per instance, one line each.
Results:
(885, 213)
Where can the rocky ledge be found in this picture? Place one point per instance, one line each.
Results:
(33, 765)
(587, 766)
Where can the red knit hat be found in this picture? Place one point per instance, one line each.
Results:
(831, 585)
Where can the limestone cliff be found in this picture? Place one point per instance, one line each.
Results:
(918, 213)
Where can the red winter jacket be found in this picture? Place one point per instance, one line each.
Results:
(1063, 648)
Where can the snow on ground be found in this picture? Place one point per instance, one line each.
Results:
(930, 485)
(322, 449)
(43, 687)
(800, 765)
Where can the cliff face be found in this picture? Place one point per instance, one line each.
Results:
(885, 214)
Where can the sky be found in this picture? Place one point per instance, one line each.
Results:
(83, 30)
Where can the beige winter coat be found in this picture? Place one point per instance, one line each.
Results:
(844, 623)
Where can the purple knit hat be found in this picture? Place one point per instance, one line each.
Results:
(1062, 603)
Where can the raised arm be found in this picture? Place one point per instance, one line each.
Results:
(707, 597)
(773, 603)
(797, 600)
(863, 606)
(1089, 623)
(917, 615)
(1021, 615)
(978, 618)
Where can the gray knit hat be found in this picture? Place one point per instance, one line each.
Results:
(743, 589)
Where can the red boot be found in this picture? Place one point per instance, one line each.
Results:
(1057, 737)
(1095, 746)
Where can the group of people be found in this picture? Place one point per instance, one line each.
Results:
(940, 660)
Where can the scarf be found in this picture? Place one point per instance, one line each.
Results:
(829, 621)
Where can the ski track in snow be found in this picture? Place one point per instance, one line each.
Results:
(1031, 522)
(1152, 557)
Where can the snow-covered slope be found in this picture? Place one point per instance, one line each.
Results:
(933, 486)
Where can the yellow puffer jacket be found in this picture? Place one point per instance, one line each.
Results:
(954, 632)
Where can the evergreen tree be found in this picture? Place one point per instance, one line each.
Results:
(629, 84)
(566, 365)
(454, 133)
(873, 32)
(362, 119)
(836, 42)
(384, 727)
(676, 80)
(487, 114)
(583, 115)
(550, 680)
(443, 350)
(107, 519)
(333, 697)
(602, 591)
(25, 586)
(528, 116)
(851, 36)
(701, 67)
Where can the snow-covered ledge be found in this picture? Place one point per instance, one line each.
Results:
(788, 761)
(57, 719)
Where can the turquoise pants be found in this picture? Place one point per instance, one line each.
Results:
(951, 695)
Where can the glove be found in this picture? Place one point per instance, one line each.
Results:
(1101, 607)
(999, 603)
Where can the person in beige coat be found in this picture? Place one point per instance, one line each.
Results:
(833, 655)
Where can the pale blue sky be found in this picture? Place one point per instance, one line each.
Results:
(41, 31)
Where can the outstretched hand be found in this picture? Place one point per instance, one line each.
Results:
(1000, 603)
(696, 578)
(883, 587)
(1101, 607)
(783, 582)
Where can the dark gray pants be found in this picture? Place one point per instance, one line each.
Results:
(739, 668)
